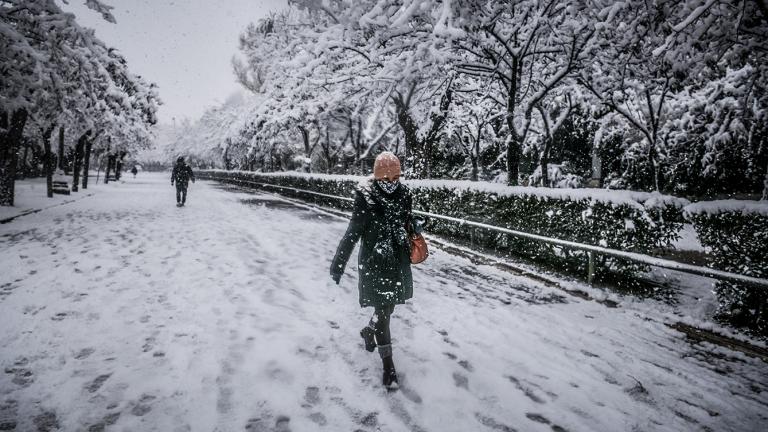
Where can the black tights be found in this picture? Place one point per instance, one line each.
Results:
(380, 324)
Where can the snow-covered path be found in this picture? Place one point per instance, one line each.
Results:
(123, 312)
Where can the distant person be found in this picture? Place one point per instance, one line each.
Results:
(382, 218)
(134, 171)
(182, 174)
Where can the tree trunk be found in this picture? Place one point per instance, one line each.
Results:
(654, 166)
(473, 152)
(356, 137)
(307, 147)
(513, 159)
(597, 169)
(24, 164)
(765, 185)
(421, 150)
(108, 169)
(9, 147)
(225, 158)
(413, 151)
(62, 164)
(514, 143)
(544, 162)
(327, 151)
(119, 165)
(76, 167)
(76, 163)
(86, 163)
(98, 167)
(48, 164)
(474, 175)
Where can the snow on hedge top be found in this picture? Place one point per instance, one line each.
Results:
(606, 196)
(614, 197)
(297, 174)
(746, 207)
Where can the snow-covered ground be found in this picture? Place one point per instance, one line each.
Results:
(123, 312)
(30, 196)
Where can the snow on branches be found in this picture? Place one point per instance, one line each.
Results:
(58, 73)
(483, 89)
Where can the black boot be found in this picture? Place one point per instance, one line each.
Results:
(389, 378)
(367, 333)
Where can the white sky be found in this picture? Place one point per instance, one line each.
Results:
(184, 46)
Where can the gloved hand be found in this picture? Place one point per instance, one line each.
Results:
(336, 277)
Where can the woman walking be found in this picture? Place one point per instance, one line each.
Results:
(381, 218)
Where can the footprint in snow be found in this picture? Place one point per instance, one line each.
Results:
(461, 381)
(312, 395)
(261, 424)
(22, 376)
(466, 365)
(370, 420)
(318, 418)
(527, 391)
(8, 414)
(107, 420)
(538, 418)
(143, 405)
(406, 390)
(96, 384)
(149, 344)
(60, 316)
(46, 422)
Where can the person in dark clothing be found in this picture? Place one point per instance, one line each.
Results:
(134, 171)
(380, 220)
(182, 174)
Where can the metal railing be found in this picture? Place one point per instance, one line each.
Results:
(592, 250)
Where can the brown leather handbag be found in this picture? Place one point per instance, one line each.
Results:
(419, 251)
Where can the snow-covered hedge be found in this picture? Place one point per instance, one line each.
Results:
(633, 221)
(736, 232)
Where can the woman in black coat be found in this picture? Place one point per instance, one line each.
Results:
(380, 219)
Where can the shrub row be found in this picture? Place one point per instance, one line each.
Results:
(630, 221)
(736, 235)
(735, 232)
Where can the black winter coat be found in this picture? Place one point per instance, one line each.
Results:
(379, 221)
(182, 173)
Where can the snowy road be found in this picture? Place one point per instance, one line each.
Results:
(122, 312)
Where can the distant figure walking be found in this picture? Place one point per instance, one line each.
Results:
(381, 217)
(182, 174)
(134, 171)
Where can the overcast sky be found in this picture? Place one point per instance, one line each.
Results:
(184, 46)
